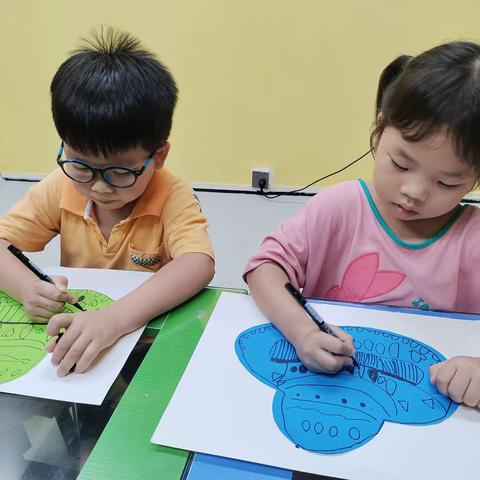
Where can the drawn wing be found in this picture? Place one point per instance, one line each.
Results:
(23, 346)
(398, 365)
(328, 414)
(254, 348)
(336, 413)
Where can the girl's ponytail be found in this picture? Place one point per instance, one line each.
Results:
(388, 76)
(438, 90)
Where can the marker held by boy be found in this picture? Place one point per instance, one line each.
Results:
(59, 336)
(312, 313)
(35, 269)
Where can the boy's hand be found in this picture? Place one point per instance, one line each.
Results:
(86, 335)
(316, 348)
(458, 378)
(41, 300)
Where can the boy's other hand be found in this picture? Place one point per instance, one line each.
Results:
(324, 353)
(458, 378)
(86, 335)
(41, 300)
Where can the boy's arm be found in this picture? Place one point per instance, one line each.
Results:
(172, 285)
(314, 347)
(30, 225)
(87, 334)
(40, 299)
(14, 276)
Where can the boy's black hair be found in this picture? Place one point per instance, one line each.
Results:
(112, 95)
(438, 89)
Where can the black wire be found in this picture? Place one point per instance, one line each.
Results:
(261, 191)
(279, 194)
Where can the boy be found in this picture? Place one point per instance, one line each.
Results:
(111, 201)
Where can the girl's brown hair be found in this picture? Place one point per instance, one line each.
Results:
(438, 89)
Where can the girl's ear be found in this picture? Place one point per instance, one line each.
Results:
(377, 136)
(160, 155)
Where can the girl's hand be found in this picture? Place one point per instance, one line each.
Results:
(316, 350)
(41, 300)
(86, 335)
(458, 378)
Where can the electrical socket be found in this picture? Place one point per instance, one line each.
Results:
(259, 175)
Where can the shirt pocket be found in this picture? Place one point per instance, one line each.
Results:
(147, 261)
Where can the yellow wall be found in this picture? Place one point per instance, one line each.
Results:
(287, 84)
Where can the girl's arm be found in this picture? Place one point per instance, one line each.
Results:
(314, 347)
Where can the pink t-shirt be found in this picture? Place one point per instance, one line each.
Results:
(339, 247)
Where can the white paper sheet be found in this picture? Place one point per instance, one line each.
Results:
(221, 409)
(91, 386)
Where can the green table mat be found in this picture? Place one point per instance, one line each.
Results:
(124, 450)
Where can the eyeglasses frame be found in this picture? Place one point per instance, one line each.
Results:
(102, 171)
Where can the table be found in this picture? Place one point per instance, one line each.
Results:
(123, 450)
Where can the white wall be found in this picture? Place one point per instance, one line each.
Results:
(238, 223)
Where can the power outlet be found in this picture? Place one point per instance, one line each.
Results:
(261, 178)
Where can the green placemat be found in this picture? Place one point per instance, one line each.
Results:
(124, 450)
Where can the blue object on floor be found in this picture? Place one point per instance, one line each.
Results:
(210, 467)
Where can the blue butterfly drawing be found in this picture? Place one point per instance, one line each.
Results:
(338, 413)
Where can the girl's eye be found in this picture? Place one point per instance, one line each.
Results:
(404, 169)
(447, 186)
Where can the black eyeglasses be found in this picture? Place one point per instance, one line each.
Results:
(116, 176)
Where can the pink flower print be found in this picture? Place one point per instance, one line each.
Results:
(362, 280)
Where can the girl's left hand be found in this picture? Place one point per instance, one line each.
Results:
(86, 335)
(458, 378)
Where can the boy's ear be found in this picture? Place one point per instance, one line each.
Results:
(161, 155)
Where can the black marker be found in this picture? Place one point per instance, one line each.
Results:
(36, 270)
(59, 336)
(312, 313)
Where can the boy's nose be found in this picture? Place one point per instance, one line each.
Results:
(100, 186)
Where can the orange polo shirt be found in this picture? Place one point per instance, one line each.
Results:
(165, 223)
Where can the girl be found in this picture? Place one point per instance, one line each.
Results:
(402, 239)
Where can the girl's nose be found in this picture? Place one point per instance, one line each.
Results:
(416, 191)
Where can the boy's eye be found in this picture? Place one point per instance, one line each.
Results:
(120, 171)
(404, 169)
(79, 166)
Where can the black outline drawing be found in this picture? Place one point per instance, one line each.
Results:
(337, 413)
(22, 343)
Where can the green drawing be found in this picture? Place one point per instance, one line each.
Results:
(22, 342)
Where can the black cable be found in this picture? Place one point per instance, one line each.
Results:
(293, 192)
(261, 191)
(29, 180)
